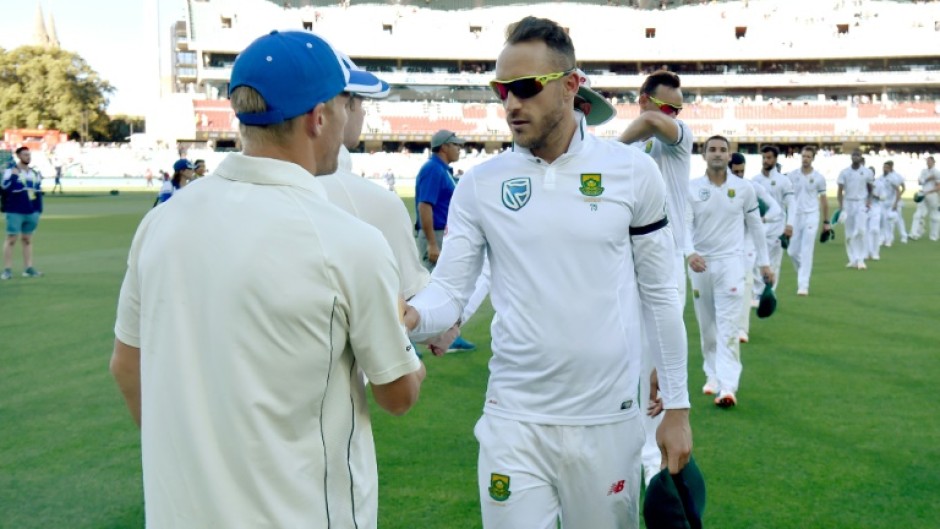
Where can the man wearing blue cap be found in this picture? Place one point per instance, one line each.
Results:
(246, 373)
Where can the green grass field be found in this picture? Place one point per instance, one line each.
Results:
(837, 424)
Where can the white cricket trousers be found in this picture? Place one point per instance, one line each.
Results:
(744, 315)
(856, 220)
(873, 234)
(802, 246)
(894, 219)
(927, 208)
(716, 296)
(533, 475)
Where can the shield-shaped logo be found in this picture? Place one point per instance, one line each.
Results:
(516, 193)
(731, 193)
(499, 487)
(591, 184)
(703, 194)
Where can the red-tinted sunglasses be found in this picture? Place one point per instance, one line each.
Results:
(666, 108)
(524, 87)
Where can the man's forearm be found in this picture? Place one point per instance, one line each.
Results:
(426, 213)
(125, 367)
(639, 129)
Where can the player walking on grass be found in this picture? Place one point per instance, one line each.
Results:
(580, 252)
(724, 211)
(894, 205)
(928, 208)
(781, 189)
(246, 373)
(854, 197)
(772, 216)
(809, 198)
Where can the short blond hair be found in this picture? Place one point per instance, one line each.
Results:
(247, 100)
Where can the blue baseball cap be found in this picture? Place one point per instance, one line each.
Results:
(294, 71)
(181, 165)
(361, 82)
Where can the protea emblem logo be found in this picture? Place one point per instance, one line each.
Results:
(516, 193)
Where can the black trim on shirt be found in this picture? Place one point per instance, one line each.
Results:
(649, 228)
(326, 469)
(681, 134)
(353, 374)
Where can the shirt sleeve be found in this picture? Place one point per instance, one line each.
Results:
(841, 179)
(369, 280)
(127, 326)
(480, 291)
(656, 275)
(453, 280)
(773, 208)
(821, 184)
(754, 226)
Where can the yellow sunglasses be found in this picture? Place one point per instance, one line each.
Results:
(525, 87)
(666, 108)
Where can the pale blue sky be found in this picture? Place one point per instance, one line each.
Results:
(111, 35)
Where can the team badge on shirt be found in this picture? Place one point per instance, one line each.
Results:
(516, 193)
(731, 193)
(499, 487)
(591, 185)
(703, 194)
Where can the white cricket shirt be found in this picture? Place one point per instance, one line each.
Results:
(573, 290)
(806, 190)
(382, 209)
(780, 187)
(255, 304)
(893, 183)
(675, 164)
(855, 182)
(926, 185)
(722, 216)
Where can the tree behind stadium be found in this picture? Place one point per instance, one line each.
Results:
(52, 89)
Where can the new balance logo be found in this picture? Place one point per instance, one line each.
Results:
(616, 488)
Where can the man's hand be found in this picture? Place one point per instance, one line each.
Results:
(656, 402)
(439, 345)
(788, 231)
(409, 316)
(768, 274)
(697, 263)
(674, 437)
(433, 253)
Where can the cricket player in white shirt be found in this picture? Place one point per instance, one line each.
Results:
(658, 132)
(781, 189)
(893, 205)
(929, 207)
(874, 236)
(853, 197)
(772, 216)
(809, 198)
(724, 211)
(569, 222)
